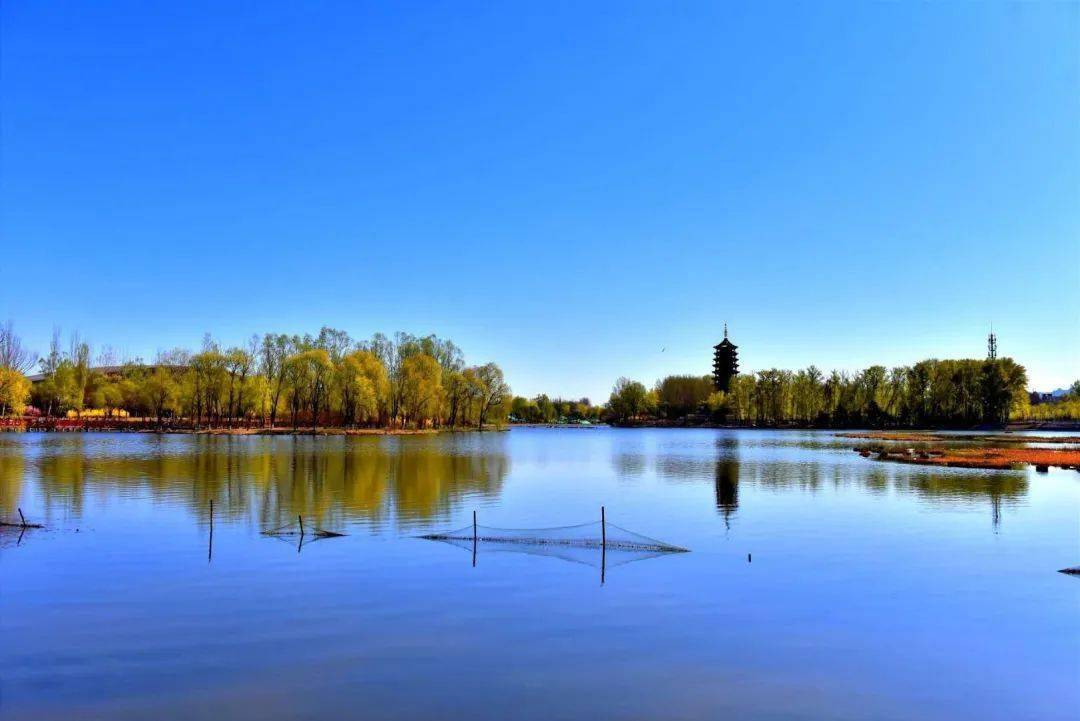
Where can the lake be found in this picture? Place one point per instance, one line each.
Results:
(819, 584)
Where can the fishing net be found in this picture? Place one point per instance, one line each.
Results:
(295, 529)
(594, 556)
(595, 535)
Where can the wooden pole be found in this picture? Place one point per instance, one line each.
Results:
(22, 517)
(474, 526)
(603, 545)
(603, 529)
(301, 520)
(210, 543)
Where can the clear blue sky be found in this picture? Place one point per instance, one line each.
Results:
(565, 188)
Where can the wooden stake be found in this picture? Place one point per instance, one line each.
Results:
(22, 517)
(603, 529)
(474, 526)
(301, 519)
(210, 542)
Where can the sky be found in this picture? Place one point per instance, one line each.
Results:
(577, 191)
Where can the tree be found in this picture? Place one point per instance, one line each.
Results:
(13, 356)
(273, 353)
(629, 400)
(718, 405)
(363, 387)
(546, 408)
(160, 391)
(493, 390)
(523, 410)
(337, 343)
(296, 373)
(456, 393)
(681, 395)
(316, 369)
(14, 391)
(421, 387)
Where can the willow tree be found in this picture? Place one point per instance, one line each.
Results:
(319, 371)
(363, 387)
(493, 391)
(421, 388)
(274, 351)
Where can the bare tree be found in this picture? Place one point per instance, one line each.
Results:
(12, 353)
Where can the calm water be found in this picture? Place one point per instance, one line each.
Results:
(875, 590)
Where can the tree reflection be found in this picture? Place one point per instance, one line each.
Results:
(12, 468)
(267, 480)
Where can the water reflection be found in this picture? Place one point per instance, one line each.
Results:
(263, 480)
(727, 489)
(786, 461)
(1007, 488)
(411, 482)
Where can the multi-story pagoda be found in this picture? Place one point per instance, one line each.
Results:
(725, 363)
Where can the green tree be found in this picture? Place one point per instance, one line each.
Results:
(630, 400)
(493, 391)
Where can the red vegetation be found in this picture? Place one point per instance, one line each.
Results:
(997, 458)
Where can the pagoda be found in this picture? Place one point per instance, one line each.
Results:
(725, 363)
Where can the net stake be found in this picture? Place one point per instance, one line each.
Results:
(301, 520)
(603, 529)
(210, 543)
(603, 545)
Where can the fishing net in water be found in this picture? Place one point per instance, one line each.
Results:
(596, 535)
(594, 556)
(296, 529)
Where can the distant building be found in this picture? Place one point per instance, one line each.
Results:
(725, 363)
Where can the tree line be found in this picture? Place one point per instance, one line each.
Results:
(543, 409)
(326, 379)
(929, 393)
(421, 382)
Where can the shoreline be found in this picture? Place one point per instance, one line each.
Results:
(1010, 427)
(267, 431)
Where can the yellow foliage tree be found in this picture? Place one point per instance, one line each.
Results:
(364, 387)
(422, 388)
(14, 392)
